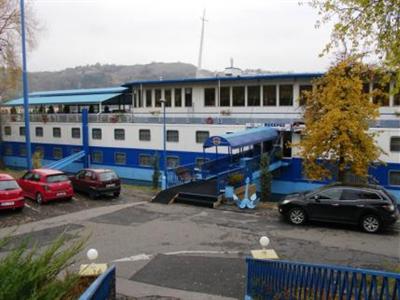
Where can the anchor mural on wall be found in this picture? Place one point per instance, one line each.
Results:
(246, 201)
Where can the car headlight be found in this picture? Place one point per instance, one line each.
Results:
(286, 201)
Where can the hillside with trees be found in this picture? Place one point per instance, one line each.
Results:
(98, 75)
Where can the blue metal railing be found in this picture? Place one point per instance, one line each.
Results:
(276, 279)
(102, 288)
(59, 164)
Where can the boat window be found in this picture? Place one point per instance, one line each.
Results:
(173, 136)
(7, 130)
(253, 95)
(144, 135)
(39, 131)
(302, 93)
(40, 150)
(396, 99)
(157, 94)
(172, 161)
(382, 94)
(168, 96)
(225, 96)
(119, 134)
(56, 132)
(178, 97)
(269, 95)
(209, 97)
(188, 97)
(76, 133)
(394, 177)
(145, 160)
(96, 133)
(22, 130)
(149, 100)
(286, 95)
(8, 150)
(22, 150)
(238, 96)
(57, 153)
(202, 136)
(200, 161)
(395, 143)
(365, 88)
(120, 158)
(97, 156)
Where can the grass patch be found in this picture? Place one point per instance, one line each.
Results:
(135, 187)
(16, 173)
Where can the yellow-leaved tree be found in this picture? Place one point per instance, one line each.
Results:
(337, 115)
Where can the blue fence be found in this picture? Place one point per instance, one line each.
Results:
(275, 279)
(103, 288)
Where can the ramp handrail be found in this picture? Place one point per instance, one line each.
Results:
(59, 164)
(279, 279)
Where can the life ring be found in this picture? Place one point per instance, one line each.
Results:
(210, 120)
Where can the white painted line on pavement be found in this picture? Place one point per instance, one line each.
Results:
(138, 257)
(200, 252)
(144, 256)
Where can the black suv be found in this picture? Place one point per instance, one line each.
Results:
(372, 207)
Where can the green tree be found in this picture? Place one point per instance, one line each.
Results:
(156, 171)
(365, 26)
(265, 178)
(336, 116)
(10, 40)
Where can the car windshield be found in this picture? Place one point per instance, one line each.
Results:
(56, 178)
(8, 185)
(107, 176)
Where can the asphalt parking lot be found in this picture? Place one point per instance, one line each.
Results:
(185, 252)
(34, 212)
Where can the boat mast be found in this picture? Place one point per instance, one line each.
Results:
(203, 20)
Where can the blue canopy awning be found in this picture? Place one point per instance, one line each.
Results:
(242, 138)
(71, 97)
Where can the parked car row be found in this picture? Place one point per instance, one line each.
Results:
(44, 185)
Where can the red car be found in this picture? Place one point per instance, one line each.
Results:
(11, 196)
(96, 182)
(45, 185)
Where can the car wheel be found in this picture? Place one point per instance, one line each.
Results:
(116, 194)
(39, 198)
(370, 223)
(297, 216)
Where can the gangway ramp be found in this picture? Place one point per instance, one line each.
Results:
(199, 193)
(62, 163)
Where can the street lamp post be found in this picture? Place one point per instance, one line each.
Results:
(164, 183)
(25, 89)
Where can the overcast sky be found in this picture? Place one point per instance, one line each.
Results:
(266, 34)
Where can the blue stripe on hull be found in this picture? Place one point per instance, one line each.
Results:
(287, 179)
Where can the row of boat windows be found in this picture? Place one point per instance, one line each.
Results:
(120, 158)
(267, 95)
(145, 135)
(257, 95)
(119, 134)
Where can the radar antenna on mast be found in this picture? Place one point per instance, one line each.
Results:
(203, 20)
